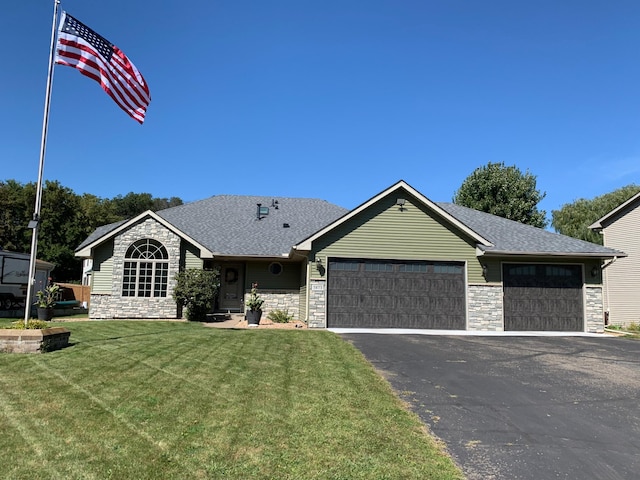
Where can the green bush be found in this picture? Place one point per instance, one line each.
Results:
(280, 316)
(31, 325)
(196, 290)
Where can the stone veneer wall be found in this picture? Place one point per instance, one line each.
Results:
(288, 300)
(485, 308)
(317, 311)
(115, 305)
(594, 309)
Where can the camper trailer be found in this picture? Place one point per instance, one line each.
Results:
(14, 278)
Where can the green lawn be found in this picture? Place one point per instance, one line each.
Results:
(138, 400)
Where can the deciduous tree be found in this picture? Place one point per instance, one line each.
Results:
(504, 191)
(573, 219)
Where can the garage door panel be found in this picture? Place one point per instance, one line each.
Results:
(540, 297)
(396, 294)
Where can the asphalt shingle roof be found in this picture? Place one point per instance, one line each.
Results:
(512, 237)
(228, 225)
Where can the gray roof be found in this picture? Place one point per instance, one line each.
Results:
(516, 238)
(228, 224)
(100, 232)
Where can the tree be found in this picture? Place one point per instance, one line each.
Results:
(503, 191)
(66, 219)
(196, 290)
(133, 204)
(573, 219)
(16, 209)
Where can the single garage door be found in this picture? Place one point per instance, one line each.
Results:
(396, 294)
(544, 297)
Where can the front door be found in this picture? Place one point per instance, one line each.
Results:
(231, 287)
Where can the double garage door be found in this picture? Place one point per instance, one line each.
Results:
(396, 294)
(368, 293)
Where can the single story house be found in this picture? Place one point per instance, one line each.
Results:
(399, 260)
(620, 229)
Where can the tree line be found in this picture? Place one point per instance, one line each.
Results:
(66, 219)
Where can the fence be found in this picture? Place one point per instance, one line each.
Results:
(81, 293)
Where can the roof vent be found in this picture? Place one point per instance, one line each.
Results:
(261, 211)
(285, 225)
(274, 204)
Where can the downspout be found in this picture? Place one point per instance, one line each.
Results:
(307, 293)
(605, 276)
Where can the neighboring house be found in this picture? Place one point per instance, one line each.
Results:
(620, 229)
(398, 260)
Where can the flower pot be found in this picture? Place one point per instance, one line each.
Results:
(253, 317)
(45, 313)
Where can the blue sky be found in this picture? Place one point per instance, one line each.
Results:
(332, 99)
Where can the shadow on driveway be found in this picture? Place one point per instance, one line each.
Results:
(521, 407)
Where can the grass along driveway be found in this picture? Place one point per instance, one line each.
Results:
(176, 400)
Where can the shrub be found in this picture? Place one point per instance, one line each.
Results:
(31, 325)
(196, 290)
(280, 316)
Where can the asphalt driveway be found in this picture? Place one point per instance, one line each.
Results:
(521, 407)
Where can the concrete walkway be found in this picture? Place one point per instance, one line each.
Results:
(231, 321)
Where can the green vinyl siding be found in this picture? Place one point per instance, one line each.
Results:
(258, 272)
(384, 231)
(190, 256)
(102, 277)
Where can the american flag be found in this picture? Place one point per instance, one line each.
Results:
(97, 58)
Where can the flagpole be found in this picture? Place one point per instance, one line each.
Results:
(35, 221)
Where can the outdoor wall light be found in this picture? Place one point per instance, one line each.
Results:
(401, 202)
(318, 261)
(594, 271)
(485, 271)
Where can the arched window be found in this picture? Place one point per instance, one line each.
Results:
(146, 269)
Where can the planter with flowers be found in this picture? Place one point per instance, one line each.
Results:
(253, 310)
(46, 300)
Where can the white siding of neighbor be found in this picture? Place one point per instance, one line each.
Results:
(622, 277)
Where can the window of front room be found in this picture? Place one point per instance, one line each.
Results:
(146, 269)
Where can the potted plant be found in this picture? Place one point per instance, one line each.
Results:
(46, 300)
(253, 309)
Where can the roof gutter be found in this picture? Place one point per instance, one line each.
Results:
(499, 253)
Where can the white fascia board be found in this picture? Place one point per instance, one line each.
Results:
(597, 225)
(87, 251)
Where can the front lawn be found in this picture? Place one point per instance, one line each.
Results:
(143, 400)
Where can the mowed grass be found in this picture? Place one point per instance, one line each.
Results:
(143, 400)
